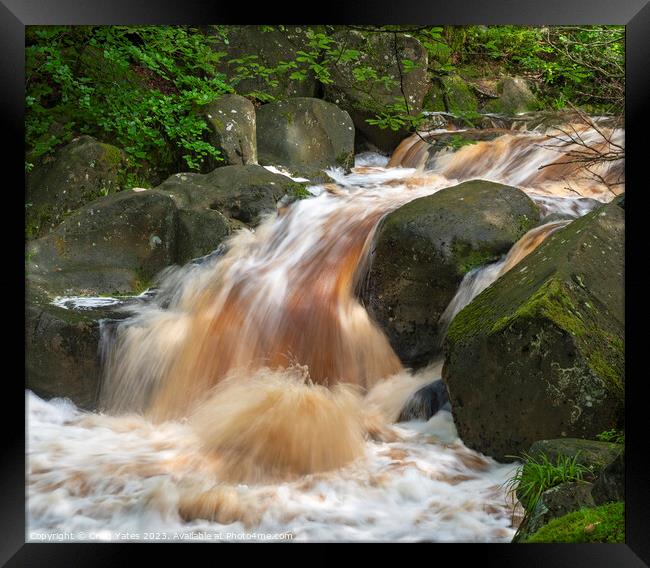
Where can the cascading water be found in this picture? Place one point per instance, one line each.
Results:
(259, 366)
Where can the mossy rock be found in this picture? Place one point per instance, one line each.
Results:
(305, 136)
(451, 93)
(593, 454)
(422, 250)
(231, 120)
(115, 244)
(554, 503)
(539, 354)
(598, 524)
(515, 97)
(365, 99)
(77, 174)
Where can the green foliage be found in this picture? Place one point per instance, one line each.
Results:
(598, 524)
(614, 436)
(538, 473)
(580, 64)
(134, 86)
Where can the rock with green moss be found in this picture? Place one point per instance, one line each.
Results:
(610, 485)
(231, 120)
(593, 454)
(539, 354)
(554, 503)
(367, 85)
(422, 250)
(305, 136)
(62, 358)
(515, 97)
(270, 48)
(78, 173)
(452, 94)
(115, 244)
(597, 524)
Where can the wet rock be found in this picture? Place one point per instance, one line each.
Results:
(365, 98)
(539, 354)
(62, 355)
(78, 173)
(305, 136)
(115, 244)
(231, 120)
(422, 250)
(425, 402)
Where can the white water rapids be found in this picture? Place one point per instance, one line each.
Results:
(125, 475)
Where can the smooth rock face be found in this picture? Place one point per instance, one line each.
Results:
(305, 135)
(426, 402)
(78, 173)
(115, 244)
(539, 354)
(364, 99)
(62, 356)
(231, 120)
(271, 48)
(422, 250)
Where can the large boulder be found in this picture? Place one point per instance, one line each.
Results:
(450, 93)
(115, 244)
(305, 136)
(539, 354)
(247, 48)
(231, 120)
(242, 194)
(422, 250)
(515, 97)
(62, 356)
(366, 95)
(78, 173)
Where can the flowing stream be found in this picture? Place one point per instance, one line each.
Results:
(253, 398)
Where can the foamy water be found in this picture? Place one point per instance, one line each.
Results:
(104, 478)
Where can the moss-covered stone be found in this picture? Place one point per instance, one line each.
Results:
(452, 94)
(78, 173)
(423, 249)
(515, 97)
(598, 524)
(539, 354)
(305, 136)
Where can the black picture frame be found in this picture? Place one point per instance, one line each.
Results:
(634, 14)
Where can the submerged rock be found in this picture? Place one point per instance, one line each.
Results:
(539, 354)
(77, 174)
(305, 136)
(422, 250)
(231, 120)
